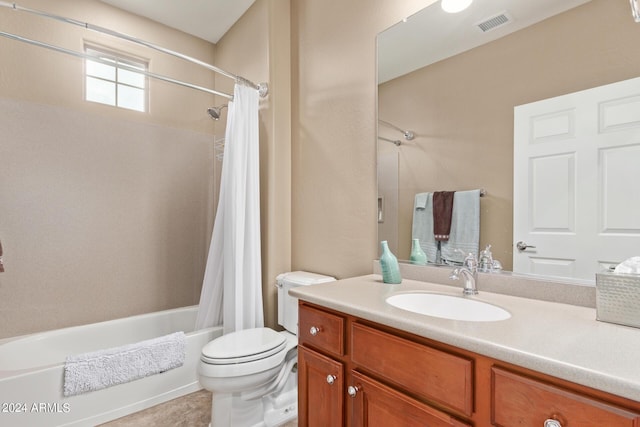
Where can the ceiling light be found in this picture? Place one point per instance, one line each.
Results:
(455, 6)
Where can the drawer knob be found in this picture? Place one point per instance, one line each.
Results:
(314, 330)
(353, 391)
(331, 379)
(552, 423)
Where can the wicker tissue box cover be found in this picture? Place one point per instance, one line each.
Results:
(618, 298)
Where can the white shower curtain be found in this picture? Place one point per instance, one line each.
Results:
(232, 287)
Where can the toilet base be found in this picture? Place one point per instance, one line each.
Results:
(281, 410)
(231, 410)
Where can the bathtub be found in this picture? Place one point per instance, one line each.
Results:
(32, 371)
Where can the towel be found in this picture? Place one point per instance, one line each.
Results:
(464, 237)
(105, 368)
(442, 209)
(422, 226)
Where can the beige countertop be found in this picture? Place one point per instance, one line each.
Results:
(558, 339)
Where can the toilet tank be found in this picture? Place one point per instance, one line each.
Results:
(288, 305)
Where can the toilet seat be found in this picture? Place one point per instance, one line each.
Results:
(248, 345)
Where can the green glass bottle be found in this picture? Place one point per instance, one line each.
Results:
(389, 265)
(417, 254)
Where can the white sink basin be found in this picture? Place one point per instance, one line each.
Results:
(448, 307)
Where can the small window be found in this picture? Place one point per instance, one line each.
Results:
(115, 80)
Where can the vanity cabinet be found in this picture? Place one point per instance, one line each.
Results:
(353, 372)
(390, 381)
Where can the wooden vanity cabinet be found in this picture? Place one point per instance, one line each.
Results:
(356, 373)
(390, 381)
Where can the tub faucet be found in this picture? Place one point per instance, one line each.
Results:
(469, 270)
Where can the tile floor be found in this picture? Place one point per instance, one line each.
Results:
(192, 410)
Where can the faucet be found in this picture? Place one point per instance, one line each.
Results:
(469, 270)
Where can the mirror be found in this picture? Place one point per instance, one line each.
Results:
(455, 87)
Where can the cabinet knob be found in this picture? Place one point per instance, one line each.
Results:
(352, 391)
(331, 379)
(552, 423)
(314, 330)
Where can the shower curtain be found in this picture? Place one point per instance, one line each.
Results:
(232, 287)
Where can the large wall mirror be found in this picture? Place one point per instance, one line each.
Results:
(455, 85)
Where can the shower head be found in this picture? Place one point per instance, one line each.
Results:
(214, 112)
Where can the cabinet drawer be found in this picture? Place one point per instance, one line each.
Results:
(375, 404)
(522, 401)
(321, 330)
(424, 371)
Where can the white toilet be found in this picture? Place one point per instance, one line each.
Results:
(253, 373)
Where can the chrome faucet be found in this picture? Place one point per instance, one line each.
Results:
(469, 270)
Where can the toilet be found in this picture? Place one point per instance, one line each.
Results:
(252, 373)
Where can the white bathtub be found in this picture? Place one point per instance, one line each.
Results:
(32, 371)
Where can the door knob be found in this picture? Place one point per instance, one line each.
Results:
(523, 246)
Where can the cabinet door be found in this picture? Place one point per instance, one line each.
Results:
(320, 390)
(375, 404)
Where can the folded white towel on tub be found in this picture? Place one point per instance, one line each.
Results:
(105, 368)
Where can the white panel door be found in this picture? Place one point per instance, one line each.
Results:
(576, 176)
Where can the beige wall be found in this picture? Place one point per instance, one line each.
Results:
(104, 212)
(462, 108)
(334, 131)
(318, 160)
(100, 227)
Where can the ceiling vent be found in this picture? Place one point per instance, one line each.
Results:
(494, 22)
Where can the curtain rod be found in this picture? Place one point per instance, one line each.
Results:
(120, 65)
(262, 88)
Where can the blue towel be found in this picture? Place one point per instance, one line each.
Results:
(465, 227)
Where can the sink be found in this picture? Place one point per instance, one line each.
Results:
(448, 307)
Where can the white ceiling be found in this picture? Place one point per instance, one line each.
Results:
(432, 34)
(207, 19)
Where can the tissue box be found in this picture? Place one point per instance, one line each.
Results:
(618, 298)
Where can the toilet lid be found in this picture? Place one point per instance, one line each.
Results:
(243, 346)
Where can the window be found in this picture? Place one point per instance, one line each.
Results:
(115, 80)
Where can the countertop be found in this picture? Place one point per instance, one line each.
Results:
(562, 340)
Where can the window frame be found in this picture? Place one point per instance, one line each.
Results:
(118, 58)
